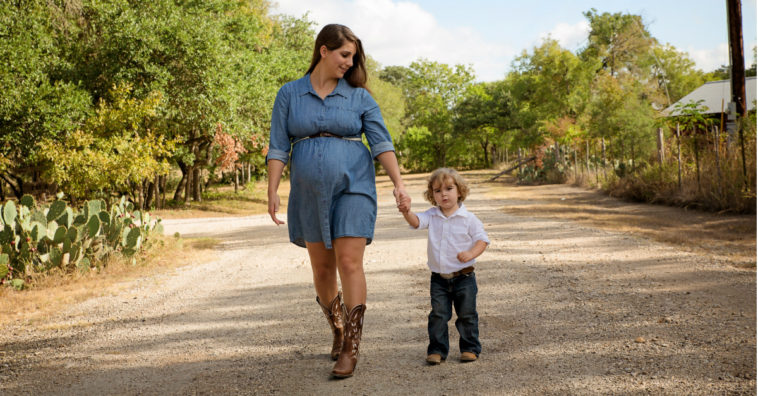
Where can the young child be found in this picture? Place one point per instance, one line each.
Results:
(456, 239)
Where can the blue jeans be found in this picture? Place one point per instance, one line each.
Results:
(459, 292)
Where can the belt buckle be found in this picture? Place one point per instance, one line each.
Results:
(447, 276)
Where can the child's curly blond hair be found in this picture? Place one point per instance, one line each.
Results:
(439, 176)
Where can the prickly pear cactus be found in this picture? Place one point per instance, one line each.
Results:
(36, 238)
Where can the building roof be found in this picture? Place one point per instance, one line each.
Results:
(712, 92)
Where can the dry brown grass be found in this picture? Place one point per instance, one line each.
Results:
(729, 238)
(51, 292)
(221, 201)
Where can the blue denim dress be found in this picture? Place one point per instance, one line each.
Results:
(333, 192)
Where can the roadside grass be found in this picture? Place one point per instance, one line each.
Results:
(729, 238)
(49, 293)
(221, 201)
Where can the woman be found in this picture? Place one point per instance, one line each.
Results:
(317, 122)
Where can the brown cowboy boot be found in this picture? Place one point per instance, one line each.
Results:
(335, 315)
(349, 355)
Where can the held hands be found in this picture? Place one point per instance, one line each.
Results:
(402, 199)
(273, 207)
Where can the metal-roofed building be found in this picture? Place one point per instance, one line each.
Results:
(712, 93)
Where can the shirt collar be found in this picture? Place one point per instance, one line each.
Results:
(305, 87)
(460, 212)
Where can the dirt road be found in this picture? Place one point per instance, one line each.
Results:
(564, 309)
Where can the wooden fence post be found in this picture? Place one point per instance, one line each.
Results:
(717, 152)
(679, 154)
(576, 165)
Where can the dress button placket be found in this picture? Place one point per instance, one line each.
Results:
(443, 246)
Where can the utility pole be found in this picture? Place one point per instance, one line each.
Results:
(737, 60)
(736, 55)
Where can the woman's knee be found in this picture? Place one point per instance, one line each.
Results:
(324, 270)
(349, 255)
(349, 266)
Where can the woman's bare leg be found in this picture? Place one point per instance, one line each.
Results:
(349, 256)
(324, 266)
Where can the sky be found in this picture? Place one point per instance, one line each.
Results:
(489, 34)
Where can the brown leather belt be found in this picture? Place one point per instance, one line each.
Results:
(324, 134)
(457, 273)
(328, 134)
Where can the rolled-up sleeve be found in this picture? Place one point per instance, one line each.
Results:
(379, 139)
(279, 141)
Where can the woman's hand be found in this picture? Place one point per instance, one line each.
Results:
(402, 199)
(275, 168)
(273, 207)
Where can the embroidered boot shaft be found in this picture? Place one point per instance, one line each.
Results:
(335, 316)
(348, 357)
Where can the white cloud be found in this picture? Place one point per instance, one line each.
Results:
(568, 36)
(711, 59)
(400, 32)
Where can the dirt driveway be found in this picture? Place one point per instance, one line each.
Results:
(565, 308)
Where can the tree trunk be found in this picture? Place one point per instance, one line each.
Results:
(602, 145)
(181, 186)
(196, 196)
(164, 180)
(236, 179)
(597, 172)
(661, 157)
(18, 189)
(532, 158)
(631, 148)
(696, 147)
(519, 162)
(484, 145)
(587, 157)
(157, 191)
(188, 184)
(140, 195)
(148, 194)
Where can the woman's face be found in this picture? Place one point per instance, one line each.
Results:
(338, 61)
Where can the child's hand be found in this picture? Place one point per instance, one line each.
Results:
(466, 256)
(404, 204)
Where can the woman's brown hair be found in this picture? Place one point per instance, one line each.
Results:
(334, 36)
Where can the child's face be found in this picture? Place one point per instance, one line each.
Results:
(446, 194)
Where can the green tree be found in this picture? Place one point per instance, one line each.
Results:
(113, 151)
(619, 40)
(479, 118)
(674, 73)
(34, 104)
(389, 97)
(432, 92)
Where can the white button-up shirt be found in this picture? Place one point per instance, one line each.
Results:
(449, 236)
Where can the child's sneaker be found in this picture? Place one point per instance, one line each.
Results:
(466, 357)
(434, 359)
